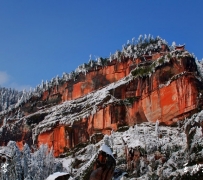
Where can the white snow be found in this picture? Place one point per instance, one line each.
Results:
(55, 175)
(67, 163)
(106, 149)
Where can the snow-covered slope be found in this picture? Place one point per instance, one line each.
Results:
(160, 152)
(145, 151)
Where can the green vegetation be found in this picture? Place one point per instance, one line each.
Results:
(130, 100)
(153, 176)
(76, 163)
(86, 174)
(147, 70)
(104, 61)
(142, 71)
(161, 60)
(79, 147)
(144, 43)
(72, 151)
(122, 128)
(169, 56)
(96, 138)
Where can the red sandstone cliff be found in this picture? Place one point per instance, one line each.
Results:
(163, 86)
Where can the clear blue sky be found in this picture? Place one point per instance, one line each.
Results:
(42, 39)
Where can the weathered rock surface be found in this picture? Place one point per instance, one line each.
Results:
(103, 167)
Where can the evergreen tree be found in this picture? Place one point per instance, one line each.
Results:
(26, 160)
(16, 160)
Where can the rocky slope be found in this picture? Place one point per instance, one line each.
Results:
(147, 151)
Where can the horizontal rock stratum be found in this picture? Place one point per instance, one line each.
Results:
(161, 84)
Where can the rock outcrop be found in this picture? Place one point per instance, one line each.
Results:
(104, 165)
(163, 85)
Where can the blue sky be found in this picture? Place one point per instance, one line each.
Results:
(42, 39)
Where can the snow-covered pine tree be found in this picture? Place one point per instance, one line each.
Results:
(40, 161)
(57, 80)
(46, 85)
(157, 129)
(26, 161)
(107, 141)
(16, 160)
(8, 97)
(49, 162)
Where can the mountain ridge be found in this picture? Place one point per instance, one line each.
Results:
(133, 88)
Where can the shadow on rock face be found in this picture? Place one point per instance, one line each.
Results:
(103, 167)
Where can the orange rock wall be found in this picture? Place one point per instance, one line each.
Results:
(93, 80)
(152, 100)
(55, 138)
(165, 104)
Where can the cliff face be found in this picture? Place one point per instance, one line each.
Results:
(165, 86)
(83, 84)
